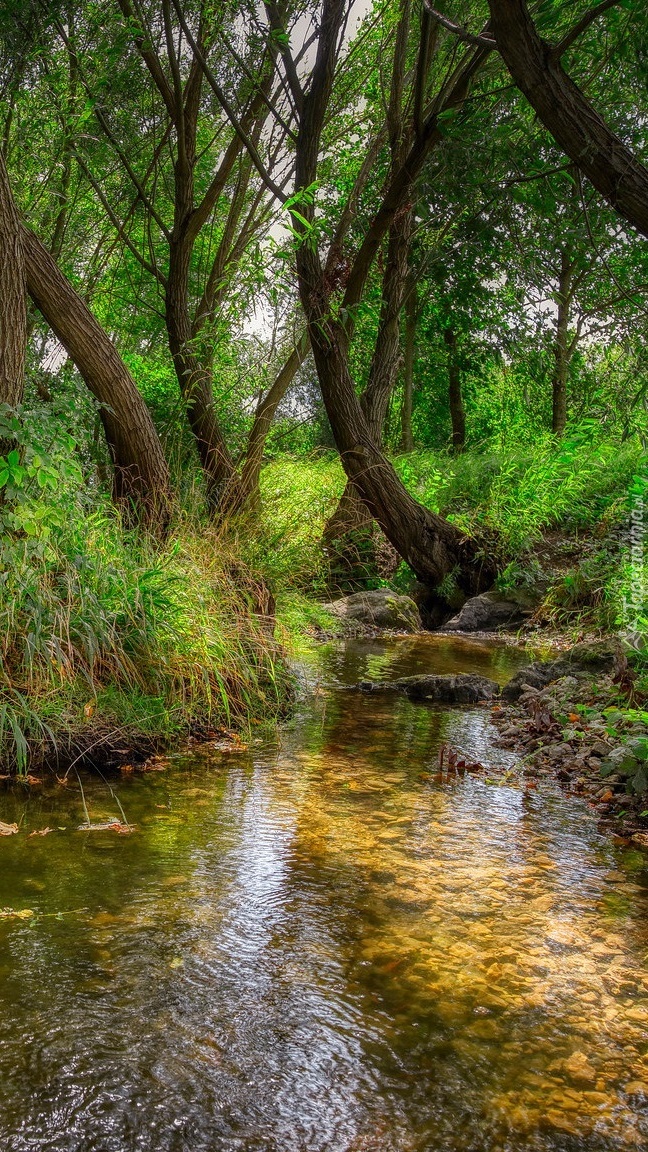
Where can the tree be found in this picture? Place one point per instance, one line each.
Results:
(566, 112)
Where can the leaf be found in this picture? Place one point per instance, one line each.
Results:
(88, 709)
(12, 914)
(7, 829)
(40, 832)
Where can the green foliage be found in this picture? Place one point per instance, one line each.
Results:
(285, 545)
(102, 632)
(517, 491)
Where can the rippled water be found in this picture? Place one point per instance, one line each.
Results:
(318, 946)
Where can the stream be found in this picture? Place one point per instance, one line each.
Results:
(314, 945)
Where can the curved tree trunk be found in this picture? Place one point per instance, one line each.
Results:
(13, 299)
(349, 533)
(141, 474)
(409, 356)
(433, 547)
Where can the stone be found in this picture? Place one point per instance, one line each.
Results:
(636, 1088)
(493, 611)
(579, 1069)
(381, 608)
(457, 688)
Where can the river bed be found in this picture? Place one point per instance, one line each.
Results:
(313, 945)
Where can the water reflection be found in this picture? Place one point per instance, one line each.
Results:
(317, 947)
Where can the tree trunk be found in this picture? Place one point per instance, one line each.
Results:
(349, 534)
(13, 300)
(194, 375)
(432, 546)
(561, 347)
(455, 397)
(409, 356)
(141, 476)
(568, 115)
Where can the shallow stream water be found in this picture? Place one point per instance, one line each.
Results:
(316, 946)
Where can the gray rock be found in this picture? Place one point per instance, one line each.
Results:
(379, 609)
(533, 676)
(493, 611)
(459, 688)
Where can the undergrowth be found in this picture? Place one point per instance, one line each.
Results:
(104, 635)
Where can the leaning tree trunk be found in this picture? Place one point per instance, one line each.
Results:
(567, 113)
(13, 300)
(433, 547)
(409, 356)
(351, 542)
(455, 397)
(141, 476)
(561, 347)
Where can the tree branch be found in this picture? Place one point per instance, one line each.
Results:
(580, 27)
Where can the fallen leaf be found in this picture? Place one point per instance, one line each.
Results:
(7, 829)
(126, 768)
(177, 962)
(108, 826)
(12, 914)
(33, 780)
(88, 709)
(40, 832)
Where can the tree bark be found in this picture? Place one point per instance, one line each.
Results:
(561, 346)
(13, 300)
(409, 356)
(570, 118)
(141, 476)
(348, 532)
(455, 397)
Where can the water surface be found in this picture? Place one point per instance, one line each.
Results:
(316, 946)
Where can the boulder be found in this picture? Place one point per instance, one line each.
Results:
(492, 611)
(379, 609)
(459, 688)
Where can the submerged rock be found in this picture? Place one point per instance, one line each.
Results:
(378, 609)
(459, 688)
(492, 611)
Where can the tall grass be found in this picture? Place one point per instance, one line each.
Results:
(102, 633)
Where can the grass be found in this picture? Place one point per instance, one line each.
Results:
(104, 635)
(513, 493)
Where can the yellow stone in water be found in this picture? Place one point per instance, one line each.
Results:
(636, 1088)
(579, 1069)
